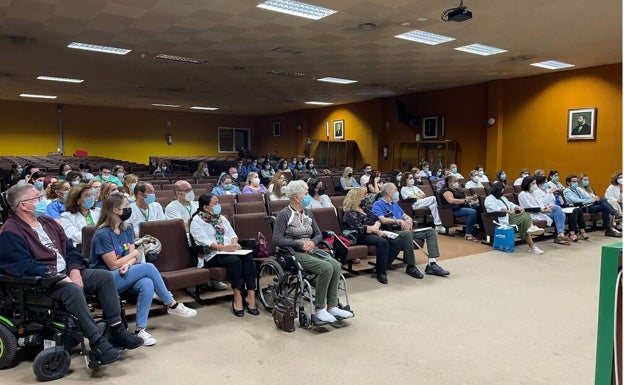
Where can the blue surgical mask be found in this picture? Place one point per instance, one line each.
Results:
(88, 203)
(574, 185)
(395, 196)
(555, 178)
(586, 183)
(65, 194)
(503, 176)
(216, 209)
(426, 169)
(306, 201)
(40, 208)
(39, 185)
(150, 198)
(132, 186)
(454, 170)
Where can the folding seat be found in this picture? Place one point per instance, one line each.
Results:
(256, 197)
(275, 206)
(250, 207)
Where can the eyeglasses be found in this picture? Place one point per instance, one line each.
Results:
(39, 198)
(185, 191)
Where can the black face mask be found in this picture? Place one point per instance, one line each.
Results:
(497, 194)
(127, 213)
(322, 191)
(350, 174)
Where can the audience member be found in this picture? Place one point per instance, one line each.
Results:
(576, 222)
(119, 171)
(105, 175)
(317, 191)
(253, 185)
(80, 211)
(613, 193)
(267, 173)
(64, 169)
(163, 169)
(451, 196)
(107, 189)
(202, 170)
(474, 181)
(553, 181)
(226, 186)
(57, 193)
(481, 173)
(129, 183)
(145, 208)
(85, 171)
(409, 191)
(73, 177)
(524, 172)
(455, 172)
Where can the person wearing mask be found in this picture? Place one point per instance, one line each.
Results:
(74, 177)
(57, 193)
(389, 213)
(293, 163)
(481, 173)
(368, 173)
(299, 172)
(27, 173)
(451, 196)
(441, 181)
(455, 172)
(129, 183)
(310, 167)
(501, 177)
(409, 190)
(524, 172)
(85, 171)
(38, 180)
(106, 176)
(253, 185)
(80, 212)
(15, 174)
(425, 172)
(317, 192)
(474, 181)
(145, 208)
(119, 171)
(64, 169)
(577, 196)
(295, 227)
(226, 186)
(163, 169)
(112, 249)
(107, 189)
(347, 181)
(202, 170)
(276, 187)
(284, 167)
(241, 171)
(254, 166)
(267, 173)
(514, 215)
(209, 228)
(613, 193)
(553, 181)
(96, 189)
(32, 244)
(576, 222)
(531, 196)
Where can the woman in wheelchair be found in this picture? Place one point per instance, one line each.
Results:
(113, 249)
(212, 230)
(295, 227)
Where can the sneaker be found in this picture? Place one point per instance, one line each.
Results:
(534, 230)
(435, 269)
(148, 340)
(440, 229)
(217, 285)
(182, 311)
(536, 250)
(413, 271)
(104, 353)
(125, 339)
(324, 316)
(340, 313)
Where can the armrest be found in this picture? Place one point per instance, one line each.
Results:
(45, 282)
(495, 214)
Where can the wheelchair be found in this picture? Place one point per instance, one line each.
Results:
(29, 318)
(285, 276)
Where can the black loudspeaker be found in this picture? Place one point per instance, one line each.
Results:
(405, 116)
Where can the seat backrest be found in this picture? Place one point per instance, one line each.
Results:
(250, 207)
(328, 183)
(163, 201)
(168, 187)
(164, 194)
(175, 253)
(247, 226)
(255, 197)
(87, 237)
(327, 219)
(337, 200)
(276, 206)
(478, 191)
(427, 189)
(227, 198)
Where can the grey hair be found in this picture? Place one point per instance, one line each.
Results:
(386, 187)
(16, 193)
(295, 188)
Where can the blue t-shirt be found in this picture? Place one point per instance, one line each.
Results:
(105, 240)
(55, 209)
(381, 208)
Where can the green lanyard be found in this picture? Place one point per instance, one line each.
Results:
(145, 213)
(188, 209)
(89, 219)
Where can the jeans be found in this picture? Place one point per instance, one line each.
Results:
(558, 217)
(143, 279)
(470, 221)
(603, 207)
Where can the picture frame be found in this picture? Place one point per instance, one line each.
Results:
(430, 127)
(277, 129)
(339, 129)
(582, 123)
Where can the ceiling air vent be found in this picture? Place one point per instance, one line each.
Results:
(181, 59)
(289, 51)
(288, 73)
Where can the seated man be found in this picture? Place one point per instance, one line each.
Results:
(35, 245)
(105, 175)
(454, 172)
(390, 213)
(145, 208)
(226, 186)
(474, 180)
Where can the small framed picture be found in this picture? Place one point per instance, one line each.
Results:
(430, 127)
(339, 129)
(277, 129)
(582, 123)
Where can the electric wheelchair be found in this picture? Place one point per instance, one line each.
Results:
(29, 318)
(285, 276)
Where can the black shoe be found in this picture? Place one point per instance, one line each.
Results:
(382, 278)
(104, 353)
(121, 337)
(613, 233)
(252, 311)
(413, 271)
(435, 269)
(238, 313)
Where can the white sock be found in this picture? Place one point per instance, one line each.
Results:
(432, 260)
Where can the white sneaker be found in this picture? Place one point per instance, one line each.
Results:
(148, 340)
(534, 230)
(323, 315)
(217, 285)
(182, 311)
(340, 313)
(440, 229)
(536, 250)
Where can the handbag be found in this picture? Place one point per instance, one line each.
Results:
(284, 312)
(149, 247)
(504, 238)
(261, 249)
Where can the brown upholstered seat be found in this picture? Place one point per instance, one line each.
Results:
(250, 207)
(327, 220)
(253, 197)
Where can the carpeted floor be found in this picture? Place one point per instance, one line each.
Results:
(498, 319)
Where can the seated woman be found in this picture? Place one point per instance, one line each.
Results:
(38, 180)
(81, 212)
(532, 197)
(410, 191)
(74, 177)
(64, 169)
(112, 248)
(474, 181)
(501, 177)
(347, 181)
(119, 171)
(96, 189)
(253, 185)
(524, 172)
(107, 189)
(267, 173)
(553, 181)
(225, 186)
(57, 192)
(209, 228)
(295, 227)
(452, 197)
(317, 192)
(514, 215)
(162, 169)
(254, 166)
(576, 222)
(276, 186)
(441, 179)
(299, 171)
(129, 183)
(613, 193)
(310, 167)
(202, 170)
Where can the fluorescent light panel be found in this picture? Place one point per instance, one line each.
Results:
(55, 79)
(552, 65)
(319, 103)
(165, 105)
(180, 59)
(336, 80)
(204, 108)
(425, 37)
(99, 48)
(38, 96)
(297, 8)
(480, 49)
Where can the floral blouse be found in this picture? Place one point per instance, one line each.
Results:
(355, 220)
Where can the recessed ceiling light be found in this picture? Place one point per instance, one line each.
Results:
(297, 8)
(165, 105)
(422, 19)
(425, 37)
(480, 49)
(336, 80)
(405, 23)
(319, 103)
(55, 79)
(552, 64)
(99, 48)
(38, 96)
(180, 59)
(204, 108)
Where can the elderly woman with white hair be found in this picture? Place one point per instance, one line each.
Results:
(295, 227)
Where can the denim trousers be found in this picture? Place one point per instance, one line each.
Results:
(470, 221)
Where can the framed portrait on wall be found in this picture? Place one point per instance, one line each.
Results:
(339, 129)
(277, 129)
(430, 127)
(582, 123)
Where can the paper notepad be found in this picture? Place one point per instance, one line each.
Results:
(236, 252)
(390, 234)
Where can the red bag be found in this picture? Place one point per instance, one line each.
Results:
(261, 250)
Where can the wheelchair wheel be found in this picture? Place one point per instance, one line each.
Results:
(8, 347)
(268, 279)
(51, 363)
(304, 322)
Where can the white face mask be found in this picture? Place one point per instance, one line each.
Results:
(189, 196)
(120, 175)
(410, 182)
(205, 169)
(534, 187)
(480, 173)
(255, 180)
(164, 167)
(619, 181)
(475, 179)
(455, 185)
(75, 182)
(235, 175)
(66, 172)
